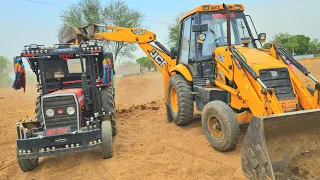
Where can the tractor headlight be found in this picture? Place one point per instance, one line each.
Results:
(49, 112)
(71, 110)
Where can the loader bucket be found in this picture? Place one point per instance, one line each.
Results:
(283, 146)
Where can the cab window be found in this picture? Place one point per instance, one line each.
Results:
(185, 41)
(216, 35)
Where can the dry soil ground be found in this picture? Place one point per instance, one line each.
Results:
(146, 147)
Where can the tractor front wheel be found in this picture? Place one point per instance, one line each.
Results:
(106, 134)
(28, 164)
(220, 125)
(108, 104)
(180, 100)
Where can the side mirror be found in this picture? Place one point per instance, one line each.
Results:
(173, 53)
(262, 37)
(199, 27)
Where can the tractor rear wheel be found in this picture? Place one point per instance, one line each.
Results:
(108, 104)
(28, 164)
(180, 100)
(220, 125)
(106, 137)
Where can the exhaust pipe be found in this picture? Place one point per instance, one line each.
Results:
(228, 24)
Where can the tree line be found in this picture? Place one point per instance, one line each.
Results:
(297, 44)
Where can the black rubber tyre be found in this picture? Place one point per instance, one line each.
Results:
(38, 110)
(28, 164)
(182, 111)
(220, 125)
(106, 133)
(169, 116)
(108, 104)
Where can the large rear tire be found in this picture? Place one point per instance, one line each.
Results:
(220, 125)
(180, 100)
(169, 116)
(28, 164)
(108, 104)
(106, 134)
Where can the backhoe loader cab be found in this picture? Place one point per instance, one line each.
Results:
(75, 106)
(205, 28)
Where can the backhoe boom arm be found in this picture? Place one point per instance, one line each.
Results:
(159, 55)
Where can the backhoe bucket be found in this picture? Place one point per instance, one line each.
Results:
(283, 146)
(69, 34)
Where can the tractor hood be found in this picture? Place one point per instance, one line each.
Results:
(76, 91)
(258, 60)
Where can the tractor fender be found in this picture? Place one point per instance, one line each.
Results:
(183, 70)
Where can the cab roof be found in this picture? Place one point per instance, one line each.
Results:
(212, 8)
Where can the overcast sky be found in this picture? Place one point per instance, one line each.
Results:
(24, 22)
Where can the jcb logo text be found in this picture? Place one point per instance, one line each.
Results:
(156, 56)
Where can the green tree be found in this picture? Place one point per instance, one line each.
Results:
(115, 13)
(82, 13)
(281, 38)
(267, 45)
(145, 62)
(292, 45)
(4, 71)
(174, 32)
(303, 42)
(299, 44)
(314, 46)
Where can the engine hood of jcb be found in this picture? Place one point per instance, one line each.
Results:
(77, 91)
(258, 60)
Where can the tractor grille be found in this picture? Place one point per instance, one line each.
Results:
(60, 118)
(279, 80)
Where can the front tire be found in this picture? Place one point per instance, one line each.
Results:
(169, 116)
(28, 164)
(180, 100)
(108, 104)
(106, 135)
(220, 126)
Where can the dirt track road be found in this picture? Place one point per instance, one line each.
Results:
(146, 147)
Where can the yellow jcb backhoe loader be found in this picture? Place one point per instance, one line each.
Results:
(220, 66)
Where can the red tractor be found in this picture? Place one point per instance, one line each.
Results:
(75, 109)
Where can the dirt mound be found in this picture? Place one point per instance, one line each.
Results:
(306, 165)
(303, 166)
(153, 105)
